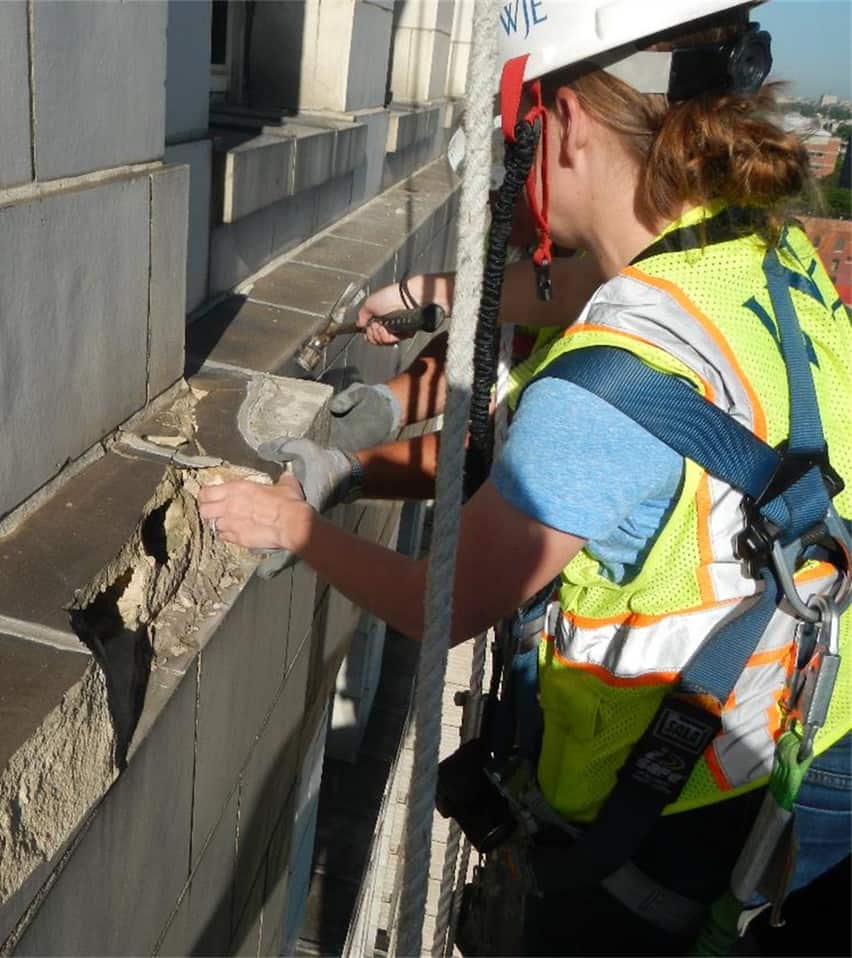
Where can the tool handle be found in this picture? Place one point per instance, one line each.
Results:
(427, 318)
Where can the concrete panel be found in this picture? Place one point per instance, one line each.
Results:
(128, 839)
(457, 69)
(368, 59)
(100, 71)
(269, 777)
(73, 303)
(246, 940)
(187, 69)
(167, 310)
(198, 156)
(15, 143)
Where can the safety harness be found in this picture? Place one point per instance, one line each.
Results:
(789, 514)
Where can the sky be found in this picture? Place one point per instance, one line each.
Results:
(811, 45)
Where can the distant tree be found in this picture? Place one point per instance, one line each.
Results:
(838, 112)
(808, 109)
(844, 131)
(838, 202)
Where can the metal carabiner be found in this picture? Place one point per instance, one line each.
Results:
(785, 561)
(817, 677)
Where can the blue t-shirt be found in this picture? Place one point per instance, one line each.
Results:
(577, 464)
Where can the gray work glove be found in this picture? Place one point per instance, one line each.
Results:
(327, 477)
(363, 416)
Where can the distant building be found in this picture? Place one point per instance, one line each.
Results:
(828, 99)
(833, 242)
(823, 150)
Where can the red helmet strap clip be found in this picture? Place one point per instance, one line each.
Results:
(511, 89)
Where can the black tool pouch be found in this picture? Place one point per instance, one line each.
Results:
(467, 794)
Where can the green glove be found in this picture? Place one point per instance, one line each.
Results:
(327, 477)
(363, 416)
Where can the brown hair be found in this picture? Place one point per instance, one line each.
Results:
(715, 146)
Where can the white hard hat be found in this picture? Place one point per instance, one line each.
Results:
(558, 33)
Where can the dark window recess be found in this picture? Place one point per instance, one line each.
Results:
(219, 33)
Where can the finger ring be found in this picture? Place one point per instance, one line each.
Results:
(213, 525)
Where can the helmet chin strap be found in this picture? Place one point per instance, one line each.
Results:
(511, 89)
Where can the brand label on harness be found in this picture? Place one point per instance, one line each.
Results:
(682, 732)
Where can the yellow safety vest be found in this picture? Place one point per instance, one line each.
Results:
(611, 651)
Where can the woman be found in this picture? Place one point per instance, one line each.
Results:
(661, 165)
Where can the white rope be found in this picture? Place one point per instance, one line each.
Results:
(442, 560)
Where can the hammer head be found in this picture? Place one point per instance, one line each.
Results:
(310, 355)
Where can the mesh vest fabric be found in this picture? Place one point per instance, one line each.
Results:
(703, 315)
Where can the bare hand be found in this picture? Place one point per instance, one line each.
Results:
(378, 304)
(258, 516)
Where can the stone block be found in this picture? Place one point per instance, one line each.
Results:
(368, 177)
(334, 199)
(457, 69)
(79, 335)
(358, 256)
(68, 540)
(54, 733)
(239, 249)
(246, 937)
(100, 72)
(306, 808)
(202, 922)
(249, 335)
(257, 173)
(167, 298)
(314, 156)
(71, 320)
(350, 148)
(16, 143)
(312, 289)
(269, 777)
(128, 837)
(368, 67)
(277, 883)
(301, 606)
(187, 69)
(440, 61)
(198, 156)
(242, 666)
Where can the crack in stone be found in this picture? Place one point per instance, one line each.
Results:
(144, 607)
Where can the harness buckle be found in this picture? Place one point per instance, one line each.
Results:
(758, 544)
(814, 682)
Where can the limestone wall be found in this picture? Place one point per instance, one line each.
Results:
(163, 711)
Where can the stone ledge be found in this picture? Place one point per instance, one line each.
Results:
(410, 125)
(274, 161)
(265, 322)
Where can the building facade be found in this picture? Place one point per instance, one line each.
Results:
(186, 189)
(833, 242)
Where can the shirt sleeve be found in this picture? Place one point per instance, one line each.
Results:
(575, 463)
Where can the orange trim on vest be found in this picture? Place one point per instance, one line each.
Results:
(716, 771)
(639, 620)
(683, 300)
